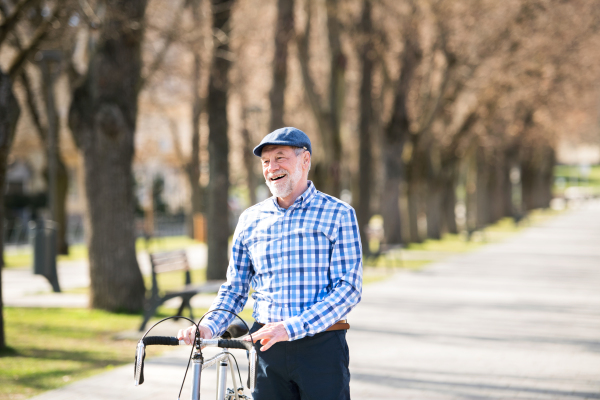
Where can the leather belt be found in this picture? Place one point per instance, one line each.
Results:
(338, 326)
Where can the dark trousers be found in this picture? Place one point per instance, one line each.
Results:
(311, 368)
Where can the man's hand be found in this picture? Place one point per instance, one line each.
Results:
(188, 335)
(270, 334)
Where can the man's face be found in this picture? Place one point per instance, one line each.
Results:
(282, 169)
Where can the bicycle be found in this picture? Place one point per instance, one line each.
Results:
(229, 340)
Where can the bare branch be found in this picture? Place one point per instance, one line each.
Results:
(176, 143)
(434, 105)
(33, 108)
(169, 39)
(313, 97)
(89, 13)
(10, 21)
(38, 36)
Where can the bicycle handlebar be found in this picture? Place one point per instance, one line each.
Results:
(173, 341)
(223, 343)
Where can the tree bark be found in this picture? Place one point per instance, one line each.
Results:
(283, 34)
(9, 114)
(449, 199)
(471, 191)
(51, 138)
(363, 209)
(396, 134)
(103, 120)
(537, 176)
(435, 191)
(482, 189)
(498, 186)
(193, 166)
(413, 195)
(249, 158)
(218, 146)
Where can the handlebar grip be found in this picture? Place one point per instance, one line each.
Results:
(161, 340)
(235, 344)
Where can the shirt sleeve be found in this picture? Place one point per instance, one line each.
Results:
(346, 274)
(233, 294)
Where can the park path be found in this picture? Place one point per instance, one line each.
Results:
(514, 320)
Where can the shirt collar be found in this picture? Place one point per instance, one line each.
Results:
(302, 200)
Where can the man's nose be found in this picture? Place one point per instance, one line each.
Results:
(273, 166)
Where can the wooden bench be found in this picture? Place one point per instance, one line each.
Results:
(169, 262)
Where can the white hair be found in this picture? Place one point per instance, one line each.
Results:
(301, 150)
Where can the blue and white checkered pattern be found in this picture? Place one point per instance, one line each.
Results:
(304, 263)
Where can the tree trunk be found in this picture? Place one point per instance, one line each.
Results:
(537, 176)
(511, 156)
(103, 120)
(249, 158)
(396, 134)
(218, 146)
(56, 165)
(337, 88)
(283, 34)
(449, 199)
(482, 189)
(471, 192)
(434, 210)
(434, 192)
(363, 209)
(62, 188)
(413, 198)
(498, 185)
(9, 114)
(193, 167)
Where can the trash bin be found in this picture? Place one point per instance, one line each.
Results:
(42, 236)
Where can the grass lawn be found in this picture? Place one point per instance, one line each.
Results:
(24, 257)
(566, 176)
(52, 347)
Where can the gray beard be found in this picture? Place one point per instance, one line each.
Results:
(281, 190)
(284, 191)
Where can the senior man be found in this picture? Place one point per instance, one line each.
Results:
(300, 251)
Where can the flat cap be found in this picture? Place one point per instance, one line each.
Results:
(285, 137)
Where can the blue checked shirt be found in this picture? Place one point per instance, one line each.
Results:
(304, 263)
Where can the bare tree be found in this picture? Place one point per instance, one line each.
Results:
(9, 107)
(102, 119)
(367, 55)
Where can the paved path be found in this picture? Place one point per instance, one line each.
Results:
(516, 320)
